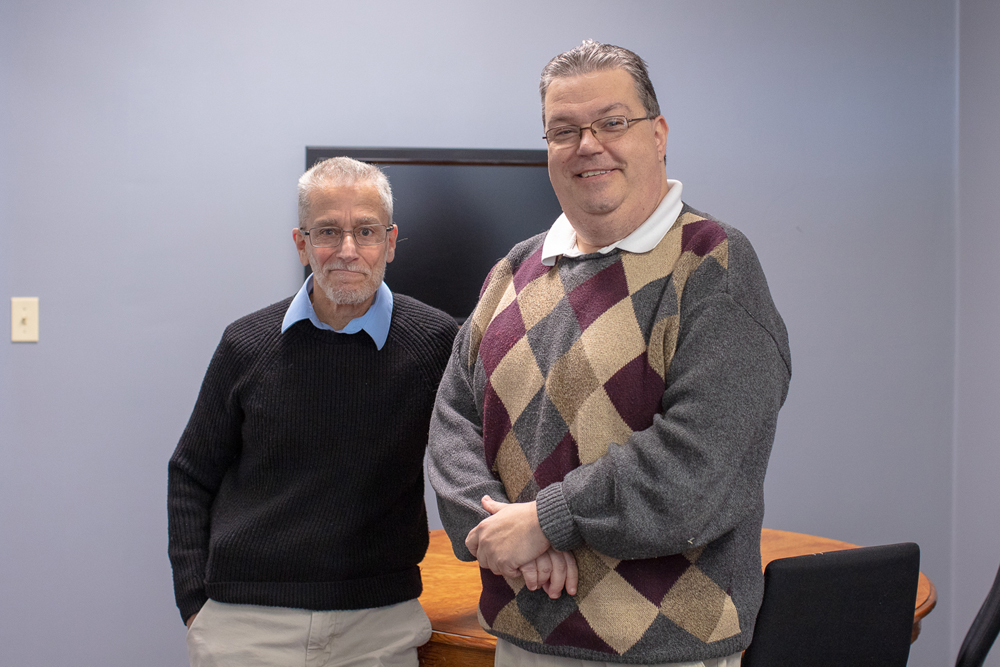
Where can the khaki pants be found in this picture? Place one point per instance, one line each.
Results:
(509, 655)
(237, 635)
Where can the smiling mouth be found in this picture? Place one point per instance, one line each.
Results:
(599, 172)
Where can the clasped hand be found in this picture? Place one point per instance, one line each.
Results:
(510, 542)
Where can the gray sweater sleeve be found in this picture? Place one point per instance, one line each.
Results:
(456, 464)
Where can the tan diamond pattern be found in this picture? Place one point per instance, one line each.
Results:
(570, 382)
(516, 379)
(591, 567)
(507, 298)
(693, 555)
(617, 612)
(514, 623)
(539, 297)
(642, 269)
(729, 622)
(721, 254)
(486, 309)
(657, 355)
(613, 340)
(596, 426)
(700, 606)
(515, 584)
(515, 472)
(688, 262)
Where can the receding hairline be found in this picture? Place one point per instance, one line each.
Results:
(343, 171)
(592, 57)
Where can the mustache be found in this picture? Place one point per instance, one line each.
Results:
(339, 265)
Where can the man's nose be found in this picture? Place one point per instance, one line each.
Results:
(589, 143)
(348, 247)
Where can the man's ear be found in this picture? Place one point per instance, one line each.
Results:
(660, 131)
(300, 245)
(390, 244)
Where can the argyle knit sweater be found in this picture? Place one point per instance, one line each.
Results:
(298, 481)
(634, 397)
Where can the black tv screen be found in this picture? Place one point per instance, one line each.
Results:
(458, 211)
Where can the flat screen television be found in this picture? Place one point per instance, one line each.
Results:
(458, 211)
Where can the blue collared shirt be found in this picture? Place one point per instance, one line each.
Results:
(375, 322)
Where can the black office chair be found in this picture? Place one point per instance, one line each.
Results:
(850, 608)
(983, 632)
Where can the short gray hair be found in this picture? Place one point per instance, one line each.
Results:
(593, 56)
(342, 171)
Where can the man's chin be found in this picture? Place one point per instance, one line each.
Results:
(348, 297)
(351, 298)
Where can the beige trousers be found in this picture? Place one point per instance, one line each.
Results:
(509, 655)
(237, 635)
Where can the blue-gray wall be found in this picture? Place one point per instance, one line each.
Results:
(976, 537)
(148, 154)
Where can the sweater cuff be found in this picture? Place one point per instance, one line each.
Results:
(555, 519)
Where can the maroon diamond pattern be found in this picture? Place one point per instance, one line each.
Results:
(604, 289)
(496, 424)
(563, 459)
(701, 237)
(502, 334)
(531, 268)
(636, 391)
(653, 577)
(575, 631)
(497, 594)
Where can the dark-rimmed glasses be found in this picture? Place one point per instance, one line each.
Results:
(332, 237)
(605, 130)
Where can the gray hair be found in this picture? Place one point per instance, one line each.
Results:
(342, 171)
(593, 56)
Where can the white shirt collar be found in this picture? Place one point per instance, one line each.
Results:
(561, 239)
(375, 322)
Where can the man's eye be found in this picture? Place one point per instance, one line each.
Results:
(612, 123)
(365, 232)
(564, 131)
(326, 232)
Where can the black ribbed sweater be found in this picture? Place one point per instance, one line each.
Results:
(298, 481)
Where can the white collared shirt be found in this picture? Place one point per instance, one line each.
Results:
(561, 239)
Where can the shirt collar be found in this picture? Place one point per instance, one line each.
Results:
(375, 321)
(561, 239)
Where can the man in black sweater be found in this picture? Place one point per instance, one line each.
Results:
(296, 491)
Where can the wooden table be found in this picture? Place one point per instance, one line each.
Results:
(451, 596)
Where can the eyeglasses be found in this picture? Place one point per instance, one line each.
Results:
(332, 237)
(605, 130)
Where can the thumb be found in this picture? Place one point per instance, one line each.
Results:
(491, 505)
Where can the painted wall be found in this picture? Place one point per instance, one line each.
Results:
(148, 155)
(977, 456)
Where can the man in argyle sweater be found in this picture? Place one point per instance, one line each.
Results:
(606, 417)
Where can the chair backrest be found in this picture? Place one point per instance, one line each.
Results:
(841, 608)
(983, 631)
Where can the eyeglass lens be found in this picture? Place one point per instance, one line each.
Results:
(606, 129)
(325, 237)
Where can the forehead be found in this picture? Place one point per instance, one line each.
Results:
(333, 202)
(586, 97)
